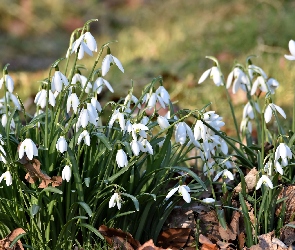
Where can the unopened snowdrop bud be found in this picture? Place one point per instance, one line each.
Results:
(183, 190)
(58, 80)
(270, 109)
(28, 147)
(208, 200)
(108, 61)
(292, 51)
(73, 101)
(66, 173)
(200, 130)
(264, 180)
(121, 158)
(163, 122)
(61, 144)
(7, 177)
(180, 133)
(115, 200)
(14, 99)
(84, 136)
(8, 83)
(4, 121)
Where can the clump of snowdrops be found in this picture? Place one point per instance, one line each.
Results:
(263, 149)
(77, 164)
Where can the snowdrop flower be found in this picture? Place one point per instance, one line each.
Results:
(292, 51)
(283, 152)
(200, 130)
(241, 80)
(85, 136)
(214, 120)
(225, 174)
(73, 101)
(4, 121)
(255, 69)
(28, 147)
(248, 110)
(163, 122)
(147, 147)
(264, 180)
(117, 116)
(121, 158)
(41, 98)
(58, 80)
(136, 147)
(86, 116)
(14, 99)
(130, 99)
(85, 43)
(265, 86)
(137, 129)
(66, 173)
(163, 94)
(7, 177)
(270, 109)
(61, 144)
(2, 154)
(115, 200)
(208, 200)
(108, 61)
(182, 131)
(83, 81)
(183, 190)
(246, 125)
(99, 83)
(8, 82)
(95, 104)
(214, 73)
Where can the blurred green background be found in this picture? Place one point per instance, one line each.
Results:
(169, 38)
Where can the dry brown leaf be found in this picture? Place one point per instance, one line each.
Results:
(5, 243)
(231, 232)
(34, 173)
(250, 179)
(174, 238)
(267, 241)
(209, 225)
(119, 239)
(226, 246)
(180, 218)
(289, 193)
(206, 243)
(242, 240)
(149, 245)
(287, 234)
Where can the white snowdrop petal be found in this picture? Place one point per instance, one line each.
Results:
(171, 192)
(267, 114)
(118, 63)
(204, 76)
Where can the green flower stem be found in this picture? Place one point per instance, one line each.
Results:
(233, 113)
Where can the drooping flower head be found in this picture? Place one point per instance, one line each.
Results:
(183, 190)
(7, 177)
(66, 173)
(108, 61)
(29, 148)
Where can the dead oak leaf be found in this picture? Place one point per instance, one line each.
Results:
(174, 238)
(206, 243)
(149, 245)
(231, 232)
(118, 238)
(5, 243)
(34, 173)
(250, 180)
